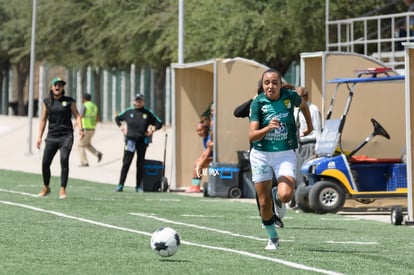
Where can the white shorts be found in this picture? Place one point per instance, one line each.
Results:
(265, 163)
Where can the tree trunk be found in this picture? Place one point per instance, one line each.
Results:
(22, 69)
(160, 94)
(97, 90)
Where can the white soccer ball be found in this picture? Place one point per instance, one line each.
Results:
(165, 241)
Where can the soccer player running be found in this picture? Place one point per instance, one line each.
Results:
(273, 134)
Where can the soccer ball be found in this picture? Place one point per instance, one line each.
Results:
(165, 241)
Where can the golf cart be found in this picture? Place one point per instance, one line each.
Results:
(333, 176)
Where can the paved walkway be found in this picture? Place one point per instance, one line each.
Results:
(16, 154)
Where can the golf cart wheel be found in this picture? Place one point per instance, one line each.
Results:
(302, 197)
(396, 215)
(326, 197)
(235, 192)
(205, 189)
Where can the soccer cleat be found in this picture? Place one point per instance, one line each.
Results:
(99, 156)
(62, 193)
(119, 188)
(139, 189)
(45, 191)
(280, 207)
(193, 189)
(278, 221)
(272, 244)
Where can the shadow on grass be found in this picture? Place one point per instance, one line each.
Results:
(342, 251)
(175, 261)
(315, 228)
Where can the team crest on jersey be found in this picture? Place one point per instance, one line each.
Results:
(287, 103)
(144, 116)
(64, 103)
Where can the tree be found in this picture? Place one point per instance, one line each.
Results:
(110, 34)
(4, 59)
(15, 38)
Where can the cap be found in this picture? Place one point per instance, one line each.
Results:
(87, 96)
(57, 80)
(139, 97)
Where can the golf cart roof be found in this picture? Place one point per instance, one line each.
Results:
(366, 79)
(330, 137)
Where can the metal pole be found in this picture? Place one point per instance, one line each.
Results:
(152, 90)
(105, 101)
(31, 81)
(142, 81)
(326, 25)
(181, 32)
(132, 79)
(79, 89)
(123, 92)
(408, 133)
(114, 111)
(168, 96)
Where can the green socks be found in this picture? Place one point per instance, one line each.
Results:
(271, 231)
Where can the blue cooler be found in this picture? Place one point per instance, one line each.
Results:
(152, 175)
(397, 177)
(223, 180)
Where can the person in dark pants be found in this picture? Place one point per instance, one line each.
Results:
(137, 124)
(57, 110)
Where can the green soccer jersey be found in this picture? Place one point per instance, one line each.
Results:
(263, 110)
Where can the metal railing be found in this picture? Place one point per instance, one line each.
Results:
(378, 36)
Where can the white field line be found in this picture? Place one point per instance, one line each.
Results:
(201, 216)
(62, 215)
(235, 234)
(197, 226)
(244, 253)
(19, 193)
(350, 242)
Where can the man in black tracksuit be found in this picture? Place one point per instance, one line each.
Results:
(138, 120)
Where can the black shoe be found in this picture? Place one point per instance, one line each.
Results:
(99, 156)
(278, 221)
(119, 188)
(292, 203)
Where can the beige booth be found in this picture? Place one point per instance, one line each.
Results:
(227, 83)
(383, 101)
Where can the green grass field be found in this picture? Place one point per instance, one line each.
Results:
(98, 231)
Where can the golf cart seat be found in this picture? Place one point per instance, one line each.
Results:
(366, 159)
